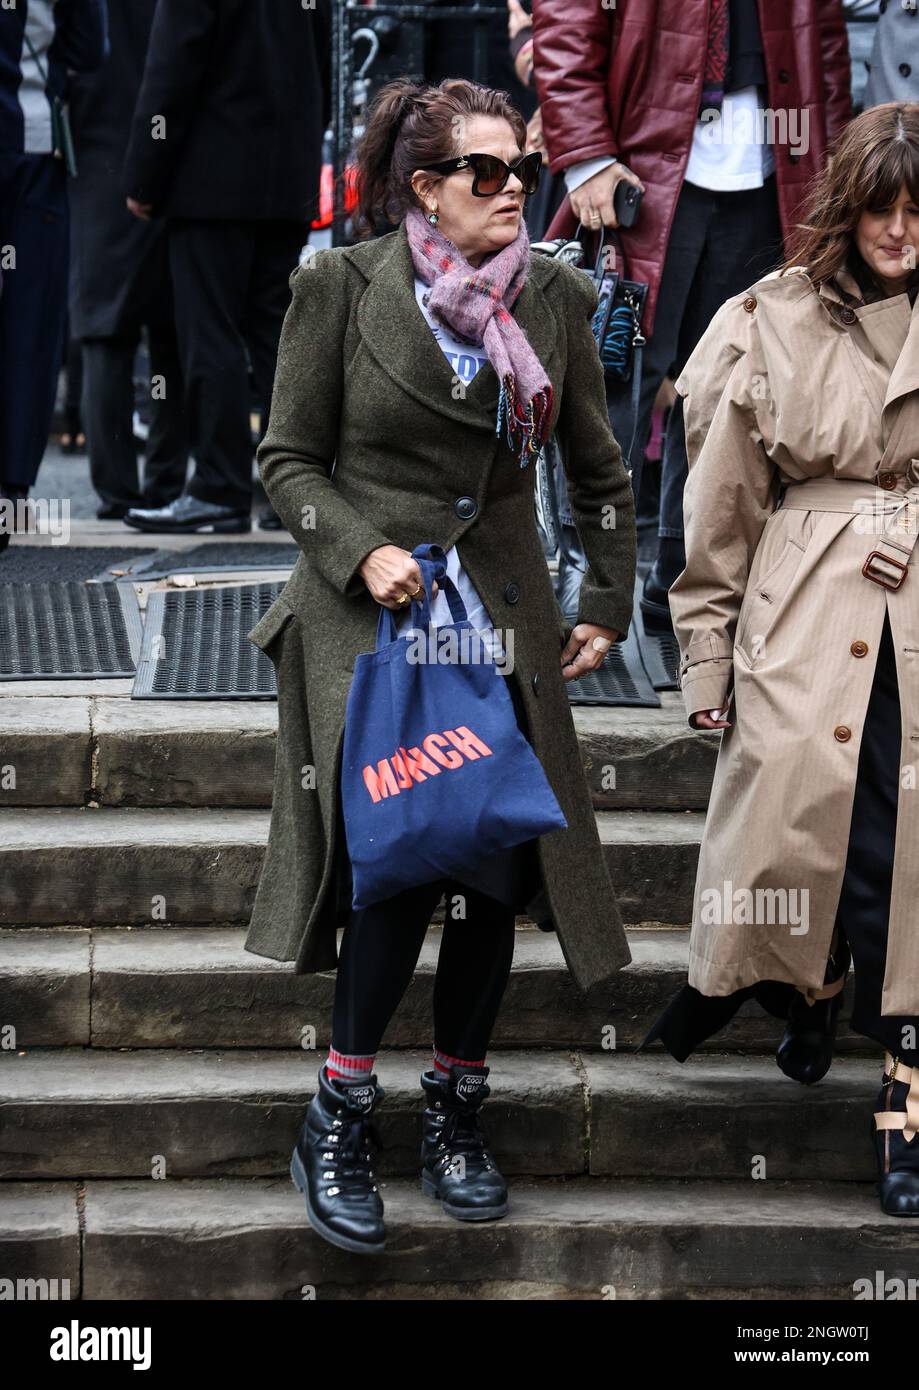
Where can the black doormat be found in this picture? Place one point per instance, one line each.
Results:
(45, 564)
(68, 631)
(195, 645)
(221, 555)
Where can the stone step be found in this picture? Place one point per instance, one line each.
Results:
(579, 1239)
(199, 987)
(114, 751)
(218, 1114)
(139, 866)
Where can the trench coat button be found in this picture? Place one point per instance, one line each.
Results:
(859, 649)
(888, 481)
(535, 682)
(905, 69)
(842, 732)
(465, 507)
(750, 303)
(848, 316)
(512, 592)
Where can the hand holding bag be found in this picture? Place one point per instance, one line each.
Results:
(435, 775)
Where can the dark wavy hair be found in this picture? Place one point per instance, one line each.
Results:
(413, 124)
(873, 157)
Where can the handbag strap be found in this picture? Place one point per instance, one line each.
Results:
(432, 562)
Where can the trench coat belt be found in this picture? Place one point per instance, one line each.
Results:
(894, 519)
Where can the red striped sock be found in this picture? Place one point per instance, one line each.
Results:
(443, 1062)
(343, 1066)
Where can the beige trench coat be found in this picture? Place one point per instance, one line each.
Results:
(792, 384)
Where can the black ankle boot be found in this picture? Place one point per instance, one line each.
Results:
(806, 1051)
(457, 1167)
(331, 1163)
(894, 1127)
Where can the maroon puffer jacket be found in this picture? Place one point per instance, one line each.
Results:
(627, 81)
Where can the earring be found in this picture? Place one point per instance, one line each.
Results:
(433, 218)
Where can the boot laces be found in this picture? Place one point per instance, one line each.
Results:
(348, 1152)
(462, 1135)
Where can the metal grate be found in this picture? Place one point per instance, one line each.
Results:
(195, 645)
(66, 631)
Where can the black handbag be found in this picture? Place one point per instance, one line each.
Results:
(617, 320)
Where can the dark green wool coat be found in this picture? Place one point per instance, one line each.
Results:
(361, 382)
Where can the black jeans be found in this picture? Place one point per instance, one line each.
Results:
(231, 295)
(719, 244)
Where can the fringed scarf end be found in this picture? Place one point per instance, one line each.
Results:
(526, 428)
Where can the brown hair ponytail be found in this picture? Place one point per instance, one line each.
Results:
(410, 125)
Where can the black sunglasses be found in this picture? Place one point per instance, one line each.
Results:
(490, 174)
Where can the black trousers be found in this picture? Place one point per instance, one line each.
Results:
(34, 218)
(231, 295)
(108, 416)
(381, 944)
(862, 915)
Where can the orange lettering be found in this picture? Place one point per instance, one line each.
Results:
(468, 742)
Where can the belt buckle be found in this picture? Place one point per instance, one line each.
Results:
(885, 583)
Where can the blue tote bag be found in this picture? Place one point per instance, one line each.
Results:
(435, 775)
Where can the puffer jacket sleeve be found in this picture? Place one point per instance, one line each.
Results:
(296, 456)
(599, 487)
(730, 493)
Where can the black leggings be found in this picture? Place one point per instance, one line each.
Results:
(380, 949)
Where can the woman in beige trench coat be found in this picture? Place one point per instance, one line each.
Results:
(797, 615)
(388, 430)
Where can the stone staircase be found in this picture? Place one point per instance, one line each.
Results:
(155, 1074)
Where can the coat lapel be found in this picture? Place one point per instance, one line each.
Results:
(400, 340)
(892, 332)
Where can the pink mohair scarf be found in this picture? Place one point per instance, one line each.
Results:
(474, 302)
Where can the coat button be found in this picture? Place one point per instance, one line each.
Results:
(905, 69)
(859, 649)
(888, 481)
(512, 592)
(750, 303)
(842, 732)
(535, 682)
(848, 316)
(783, 75)
(465, 507)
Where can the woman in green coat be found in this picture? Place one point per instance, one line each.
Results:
(418, 375)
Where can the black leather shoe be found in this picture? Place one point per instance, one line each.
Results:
(189, 514)
(332, 1164)
(806, 1051)
(456, 1165)
(896, 1143)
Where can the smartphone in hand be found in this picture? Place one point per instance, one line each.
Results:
(626, 203)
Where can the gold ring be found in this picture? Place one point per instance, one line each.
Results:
(419, 590)
(403, 598)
